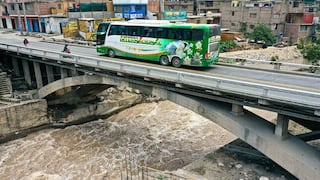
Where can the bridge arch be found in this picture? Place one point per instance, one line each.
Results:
(75, 81)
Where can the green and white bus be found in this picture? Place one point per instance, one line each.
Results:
(168, 43)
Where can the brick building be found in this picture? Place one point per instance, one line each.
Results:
(291, 18)
(27, 14)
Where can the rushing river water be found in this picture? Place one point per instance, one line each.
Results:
(154, 134)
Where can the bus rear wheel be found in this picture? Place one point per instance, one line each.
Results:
(176, 62)
(164, 60)
(111, 53)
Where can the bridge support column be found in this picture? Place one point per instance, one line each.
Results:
(282, 126)
(16, 69)
(64, 73)
(50, 74)
(38, 75)
(74, 73)
(26, 72)
(237, 109)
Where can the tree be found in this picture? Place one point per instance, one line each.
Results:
(263, 33)
(310, 50)
(226, 46)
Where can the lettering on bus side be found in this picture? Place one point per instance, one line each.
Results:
(140, 40)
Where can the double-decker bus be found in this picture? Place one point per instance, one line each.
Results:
(168, 43)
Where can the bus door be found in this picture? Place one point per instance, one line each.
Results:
(101, 33)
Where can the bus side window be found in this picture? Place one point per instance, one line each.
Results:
(197, 34)
(187, 34)
(148, 32)
(160, 33)
(171, 34)
(134, 31)
(113, 30)
(179, 34)
(122, 30)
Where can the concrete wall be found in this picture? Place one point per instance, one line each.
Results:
(22, 116)
(96, 15)
(53, 24)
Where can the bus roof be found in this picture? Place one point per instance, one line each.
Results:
(159, 23)
(145, 21)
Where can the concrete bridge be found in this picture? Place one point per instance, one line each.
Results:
(222, 107)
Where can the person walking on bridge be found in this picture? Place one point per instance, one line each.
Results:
(66, 49)
(25, 42)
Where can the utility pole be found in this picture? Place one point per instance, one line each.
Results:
(161, 9)
(25, 18)
(19, 18)
(198, 8)
(38, 11)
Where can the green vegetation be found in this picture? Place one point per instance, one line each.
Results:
(262, 33)
(274, 58)
(310, 50)
(226, 46)
(161, 177)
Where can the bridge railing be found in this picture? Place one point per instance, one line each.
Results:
(290, 95)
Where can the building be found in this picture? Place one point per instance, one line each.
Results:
(96, 9)
(301, 20)
(130, 9)
(213, 8)
(25, 15)
(177, 10)
(290, 19)
(153, 9)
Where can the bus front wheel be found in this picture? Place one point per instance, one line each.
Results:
(164, 60)
(176, 62)
(111, 53)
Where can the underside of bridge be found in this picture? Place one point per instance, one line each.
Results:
(76, 95)
(74, 90)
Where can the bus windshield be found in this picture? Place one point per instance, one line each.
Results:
(101, 33)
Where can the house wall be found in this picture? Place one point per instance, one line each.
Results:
(52, 24)
(8, 22)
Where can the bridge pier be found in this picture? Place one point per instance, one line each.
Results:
(50, 74)
(64, 73)
(281, 128)
(15, 64)
(74, 73)
(237, 109)
(26, 72)
(38, 75)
